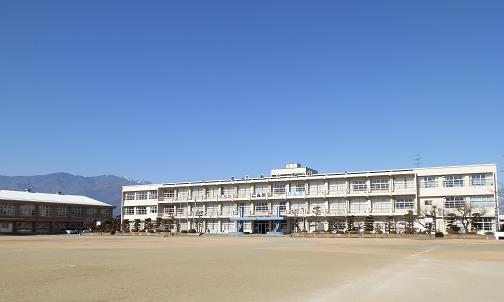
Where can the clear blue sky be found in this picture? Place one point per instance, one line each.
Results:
(188, 90)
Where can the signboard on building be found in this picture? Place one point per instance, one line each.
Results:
(292, 194)
(259, 195)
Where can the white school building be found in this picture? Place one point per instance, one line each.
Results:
(297, 198)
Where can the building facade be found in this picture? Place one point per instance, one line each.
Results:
(296, 199)
(41, 213)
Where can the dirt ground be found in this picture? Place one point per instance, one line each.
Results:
(133, 268)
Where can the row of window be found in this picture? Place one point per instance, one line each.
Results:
(314, 188)
(276, 189)
(450, 181)
(141, 195)
(356, 206)
(49, 211)
(453, 202)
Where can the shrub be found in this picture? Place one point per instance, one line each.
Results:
(489, 233)
(192, 231)
(112, 233)
(439, 235)
(183, 231)
(352, 232)
(378, 231)
(151, 231)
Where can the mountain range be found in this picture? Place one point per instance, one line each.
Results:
(106, 188)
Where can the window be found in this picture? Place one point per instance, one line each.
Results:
(197, 209)
(45, 211)
(261, 207)
(228, 208)
(181, 210)
(317, 188)
(229, 191)
(91, 212)
(106, 213)
(337, 206)
(479, 180)
(245, 207)
(27, 210)
(485, 224)
(337, 187)
(262, 190)
(358, 206)
(182, 194)
(198, 193)
(7, 209)
(380, 184)
(485, 201)
(152, 194)
(381, 205)
(212, 192)
(169, 209)
(142, 195)
(453, 202)
(278, 189)
(404, 203)
(142, 210)
(212, 209)
(61, 211)
(320, 204)
(428, 182)
(168, 194)
(153, 209)
(453, 181)
(129, 196)
(127, 210)
(359, 186)
(283, 206)
(244, 191)
(403, 183)
(77, 212)
(299, 187)
(428, 202)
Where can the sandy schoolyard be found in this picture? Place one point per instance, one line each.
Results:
(219, 268)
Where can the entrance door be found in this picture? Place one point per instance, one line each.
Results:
(261, 227)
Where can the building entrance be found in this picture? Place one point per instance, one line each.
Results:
(261, 227)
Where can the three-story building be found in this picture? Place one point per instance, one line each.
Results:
(298, 198)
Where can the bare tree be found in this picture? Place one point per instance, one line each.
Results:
(466, 214)
(317, 211)
(423, 216)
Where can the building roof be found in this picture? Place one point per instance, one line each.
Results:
(317, 176)
(50, 198)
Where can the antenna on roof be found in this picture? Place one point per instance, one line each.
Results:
(418, 159)
(28, 190)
